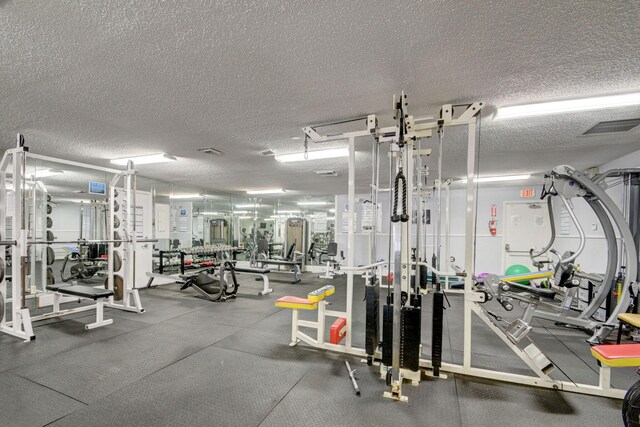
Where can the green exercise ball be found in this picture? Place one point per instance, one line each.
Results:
(518, 269)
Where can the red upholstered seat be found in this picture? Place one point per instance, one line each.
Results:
(618, 355)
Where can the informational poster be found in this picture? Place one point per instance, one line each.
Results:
(320, 222)
(139, 222)
(366, 216)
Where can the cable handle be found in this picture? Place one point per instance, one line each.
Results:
(403, 216)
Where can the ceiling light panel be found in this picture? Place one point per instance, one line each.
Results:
(568, 106)
(145, 160)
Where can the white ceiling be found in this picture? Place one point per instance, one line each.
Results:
(91, 81)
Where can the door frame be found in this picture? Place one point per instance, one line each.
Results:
(503, 261)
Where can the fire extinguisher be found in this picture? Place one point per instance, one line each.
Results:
(492, 226)
(493, 223)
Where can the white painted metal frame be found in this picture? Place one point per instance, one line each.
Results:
(472, 299)
(20, 325)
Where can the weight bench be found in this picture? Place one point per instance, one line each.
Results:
(262, 272)
(314, 301)
(295, 267)
(615, 356)
(630, 319)
(85, 292)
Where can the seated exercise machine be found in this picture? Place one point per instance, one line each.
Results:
(332, 264)
(315, 301)
(290, 260)
(210, 285)
(558, 302)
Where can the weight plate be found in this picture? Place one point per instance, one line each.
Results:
(117, 261)
(49, 209)
(115, 192)
(50, 236)
(116, 236)
(116, 222)
(118, 286)
(48, 197)
(116, 206)
(1, 274)
(49, 222)
(51, 279)
(1, 307)
(51, 255)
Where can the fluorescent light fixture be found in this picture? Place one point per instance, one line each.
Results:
(185, 196)
(268, 191)
(312, 203)
(210, 213)
(268, 219)
(499, 178)
(245, 217)
(289, 212)
(249, 206)
(332, 210)
(296, 138)
(44, 173)
(314, 155)
(241, 212)
(568, 106)
(145, 160)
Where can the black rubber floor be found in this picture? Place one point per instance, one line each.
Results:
(191, 362)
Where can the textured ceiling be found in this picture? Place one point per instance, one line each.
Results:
(90, 81)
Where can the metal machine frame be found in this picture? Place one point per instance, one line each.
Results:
(20, 324)
(532, 356)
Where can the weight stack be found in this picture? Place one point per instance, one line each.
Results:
(372, 334)
(438, 320)
(387, 332)
(410, 330)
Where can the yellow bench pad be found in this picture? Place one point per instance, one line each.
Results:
(630, 319)
(320, 294)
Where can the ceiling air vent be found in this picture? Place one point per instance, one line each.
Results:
(613, 126)
(267, 153)
(326, 173)
(210, 150)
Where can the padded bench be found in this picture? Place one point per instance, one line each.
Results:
(312, 302)
(262, 272)
(82, 291)
(295, 266)
(540, 292)
(615, 356)
(627, 319)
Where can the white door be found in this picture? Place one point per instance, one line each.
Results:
(526, 226)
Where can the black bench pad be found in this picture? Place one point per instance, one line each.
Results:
(81, 291)
(277, 262)
(251, 270)
(541, 292)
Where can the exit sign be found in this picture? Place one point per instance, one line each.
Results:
(527, 193)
